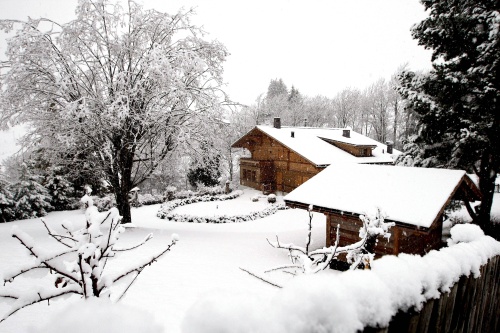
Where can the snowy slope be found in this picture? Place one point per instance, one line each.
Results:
(205, 261)
(203, 266)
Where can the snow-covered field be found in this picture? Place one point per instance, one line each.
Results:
(206, 261)
(200, 282)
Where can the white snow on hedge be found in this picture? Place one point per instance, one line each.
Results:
(348, 301)
(100, 315)
(166, 210)
(169, 206)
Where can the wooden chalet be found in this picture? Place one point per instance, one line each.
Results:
(283, 158)
(413, 198)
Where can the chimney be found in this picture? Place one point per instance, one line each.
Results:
(292, 134)
(389, 144)
(277, 122)
(346, 133)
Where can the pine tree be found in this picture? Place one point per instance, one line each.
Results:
(6, 201)
(31, 198)
(59, 188)
(205, 170)
(458, 102)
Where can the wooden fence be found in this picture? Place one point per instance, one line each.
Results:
(472, 305)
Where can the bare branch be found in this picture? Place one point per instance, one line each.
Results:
(261, 278)
(62, 292)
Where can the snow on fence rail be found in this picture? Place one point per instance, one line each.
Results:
(165, 211)
(471, 305)
(365, 299)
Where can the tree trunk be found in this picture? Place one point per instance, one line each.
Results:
(123, 204)
(487, 176)
(121, 176)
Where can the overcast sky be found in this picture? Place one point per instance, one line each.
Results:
(319, 46)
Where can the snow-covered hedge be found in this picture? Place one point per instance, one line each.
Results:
(165, 211)
(169, 206)
(352, 300)
(202, 191)
(269, 210)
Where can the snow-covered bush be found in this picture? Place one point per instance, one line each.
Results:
(78, 266)
(150, 199)
(184, 194)
(104, 203)
(31, 198)
(210, 190)
(170, 192)
(271, 198)
(255, 198)
(464, 233)
(169, 206)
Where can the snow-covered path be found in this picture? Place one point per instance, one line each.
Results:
(205, 261)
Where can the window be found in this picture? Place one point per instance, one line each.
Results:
(249, 175)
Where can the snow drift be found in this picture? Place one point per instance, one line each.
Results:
(349, 301)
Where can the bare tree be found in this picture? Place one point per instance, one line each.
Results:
(117, 87)
(346, 105)
(377, 102)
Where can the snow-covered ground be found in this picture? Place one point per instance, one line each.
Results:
(205, 266)
(205, 261)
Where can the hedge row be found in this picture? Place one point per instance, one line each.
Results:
(269, 210)
(169, 206)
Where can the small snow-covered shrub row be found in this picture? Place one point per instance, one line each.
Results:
(202, 191)
(364, 298)
(150, 199)
(269, 210)
(169, 206)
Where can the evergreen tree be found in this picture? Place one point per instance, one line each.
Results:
(59, 188)
(276, 88)
(458, 102)
(31, 198)
(205, 170)
(6, 201)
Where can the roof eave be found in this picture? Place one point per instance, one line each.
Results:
(319, 209)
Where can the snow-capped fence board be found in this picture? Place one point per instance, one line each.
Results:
(472, 305)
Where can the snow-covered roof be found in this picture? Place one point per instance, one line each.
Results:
(404, 194)
(308, 143)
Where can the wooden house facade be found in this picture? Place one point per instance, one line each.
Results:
(413, 198)
(274, 166)
(283, 158)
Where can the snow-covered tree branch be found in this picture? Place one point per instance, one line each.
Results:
(78, 265)
(358, 254)
(117, 88)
